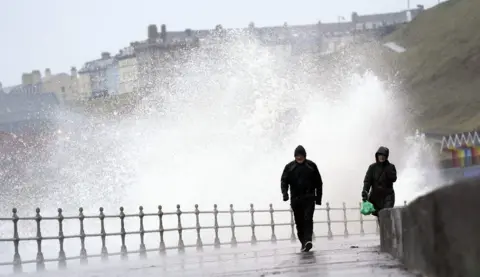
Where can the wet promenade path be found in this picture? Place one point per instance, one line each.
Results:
(339, 257)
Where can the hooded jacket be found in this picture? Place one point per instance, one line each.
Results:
(380, 176)
(303, 179)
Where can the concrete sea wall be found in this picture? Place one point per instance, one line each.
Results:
(438, 234)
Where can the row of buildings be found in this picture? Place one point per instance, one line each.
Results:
(137, 67)
(62, 85)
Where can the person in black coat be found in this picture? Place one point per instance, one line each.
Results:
(305, 183)
(378, 182)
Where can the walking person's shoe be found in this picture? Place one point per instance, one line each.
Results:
(308, 246)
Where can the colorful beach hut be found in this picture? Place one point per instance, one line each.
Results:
(464, 148)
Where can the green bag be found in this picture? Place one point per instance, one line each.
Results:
(367, 208)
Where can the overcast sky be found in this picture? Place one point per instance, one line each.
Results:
(36, 34)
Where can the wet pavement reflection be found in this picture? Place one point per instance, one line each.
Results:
(339, 257)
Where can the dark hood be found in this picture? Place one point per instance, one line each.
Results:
(382, 151)
(300, 150)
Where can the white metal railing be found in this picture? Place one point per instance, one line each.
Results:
(104, 254)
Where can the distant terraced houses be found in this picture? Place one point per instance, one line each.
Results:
(119, 74)
(27, 104)
(26, 109)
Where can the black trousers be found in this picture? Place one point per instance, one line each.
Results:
(303, 210)
(381, 201)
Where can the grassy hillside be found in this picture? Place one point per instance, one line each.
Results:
(441, 67)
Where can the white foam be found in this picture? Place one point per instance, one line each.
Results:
(218, 139)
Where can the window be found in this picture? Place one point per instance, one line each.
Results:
(62, 89)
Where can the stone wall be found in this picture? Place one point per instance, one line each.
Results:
(438, 234)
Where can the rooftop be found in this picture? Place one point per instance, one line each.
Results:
(23, 89)
(125, 53)
(397, 17)
(276, 33)
(97, 65)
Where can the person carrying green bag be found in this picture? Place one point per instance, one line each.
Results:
(367, 208)
(378, 184)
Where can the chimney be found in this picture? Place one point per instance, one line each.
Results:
(163, 33)
(105, 55)
(48, 73)
(354, 17)
(36, 76)
(219, 31)
(152, 32)
(73, 72)
(26, 79)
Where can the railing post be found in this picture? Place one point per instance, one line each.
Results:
(329, 222)
(198, 228)
(233, 240)
(272, 223)
(103, 236)
(252, 224)
(83, 251)
(62, 259)
(123, 248)
(161, 230)
(17, 261)
(292, 226)
(181, 246)
(143, 249)
(215, 226)
(40, 260)
(345, 221)
(362, 230)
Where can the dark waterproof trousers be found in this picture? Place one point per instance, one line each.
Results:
(382, 201)
(303, 210)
